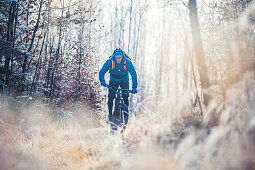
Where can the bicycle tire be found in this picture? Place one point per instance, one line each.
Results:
(120, 116)
(123, 113)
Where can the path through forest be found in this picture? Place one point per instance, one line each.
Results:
(38, 138)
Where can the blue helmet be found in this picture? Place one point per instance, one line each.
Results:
(118, 53)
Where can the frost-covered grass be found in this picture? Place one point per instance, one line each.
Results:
(171, 138)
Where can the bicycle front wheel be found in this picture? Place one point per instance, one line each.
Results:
(122, 110)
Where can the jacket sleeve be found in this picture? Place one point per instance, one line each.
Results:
(104, 69)
(133, 74)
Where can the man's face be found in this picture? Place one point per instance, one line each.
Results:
(118, 59)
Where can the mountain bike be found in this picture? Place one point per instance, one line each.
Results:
(119, 118)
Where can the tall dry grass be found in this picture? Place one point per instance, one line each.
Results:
(168, 139)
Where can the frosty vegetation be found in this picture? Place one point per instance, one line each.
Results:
(194, 109)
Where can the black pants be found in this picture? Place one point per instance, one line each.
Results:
(112, 93)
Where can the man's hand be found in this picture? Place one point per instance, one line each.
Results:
(134, 90)
(103, 83)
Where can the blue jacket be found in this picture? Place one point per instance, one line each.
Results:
(118, 74)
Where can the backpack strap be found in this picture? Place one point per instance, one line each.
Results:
(113, 65)
(125, 65)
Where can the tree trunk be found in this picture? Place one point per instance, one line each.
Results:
(33, 38)
(80, 51)
(14, 35)
(199, 51)
(161, 59)
(56, 62)
(11, 31)
(37, 64)
(130, 24)
(10, 38)
(50, 62)
(55, 68)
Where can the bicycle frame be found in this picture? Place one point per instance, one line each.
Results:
(120, 108)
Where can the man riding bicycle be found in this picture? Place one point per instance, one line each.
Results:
(118, 65)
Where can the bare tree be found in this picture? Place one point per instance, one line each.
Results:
(198, 47)
(33, 37)
(11, 27)
(38, 63)
(130, 24)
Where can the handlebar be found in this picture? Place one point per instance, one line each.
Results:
(118, 89)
